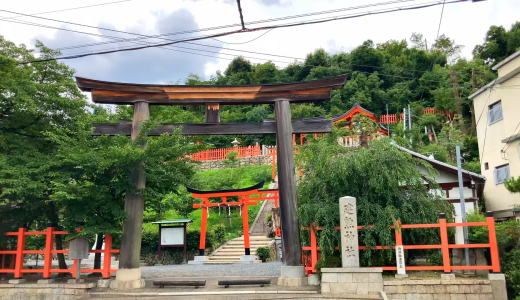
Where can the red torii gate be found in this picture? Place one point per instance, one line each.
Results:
(245, 199)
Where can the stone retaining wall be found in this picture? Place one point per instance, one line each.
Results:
(260, 160)
(438, 289)
(38, 291)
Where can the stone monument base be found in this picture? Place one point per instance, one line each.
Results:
(198, 260)
(127, 279)
(293, 276)
(360, 281)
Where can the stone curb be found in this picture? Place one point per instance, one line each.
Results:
(435, 282)
(49, 285)
(202, 293)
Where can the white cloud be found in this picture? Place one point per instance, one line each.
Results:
(464, 22)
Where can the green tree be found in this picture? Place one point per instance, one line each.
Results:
(513, 185)
(37, 102)
(498, 44)
(332, 171)
(447, 46)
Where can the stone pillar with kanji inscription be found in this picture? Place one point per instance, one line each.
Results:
(350, 279)
(349, 232)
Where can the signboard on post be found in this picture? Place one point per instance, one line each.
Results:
(172, 233)
(172, 236)
(399, 257)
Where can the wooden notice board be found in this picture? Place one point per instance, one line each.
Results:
(172, 233)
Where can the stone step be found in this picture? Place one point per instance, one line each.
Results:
(254, 242)
(235, 250)
(240, 246)
(225, 254)
(225, 258)
(216, 262)
(251, 238)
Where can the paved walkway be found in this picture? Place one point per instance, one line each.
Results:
(268, 269)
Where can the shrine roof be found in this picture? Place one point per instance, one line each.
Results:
(127, 93)
(355, 107)
(173, 221)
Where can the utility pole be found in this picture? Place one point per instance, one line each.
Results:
(462, 205)
(453, 76)
(404, 122)
(387, 127)
(410, 122)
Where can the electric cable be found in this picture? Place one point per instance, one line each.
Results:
(66, 9)
(248, 30)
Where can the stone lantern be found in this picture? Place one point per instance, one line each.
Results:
(235, 143)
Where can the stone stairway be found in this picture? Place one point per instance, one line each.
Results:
(260, 228)
(230, 252)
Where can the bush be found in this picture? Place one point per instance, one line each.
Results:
(328, 262)
(219, 231)
(269, 217)
(263, 253)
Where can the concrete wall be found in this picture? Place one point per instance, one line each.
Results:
(509, 67)
(260, 160)
(490, 138)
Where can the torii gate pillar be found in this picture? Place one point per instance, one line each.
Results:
(292, 270)
(129, 274)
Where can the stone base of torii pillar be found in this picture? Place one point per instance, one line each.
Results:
(350, 279)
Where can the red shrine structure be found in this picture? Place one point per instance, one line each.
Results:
(247, 196)
(358, 109)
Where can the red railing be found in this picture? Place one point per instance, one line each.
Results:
(309, 260)
(20, 252)
(215, 154)
(392, 119)
(388, 119)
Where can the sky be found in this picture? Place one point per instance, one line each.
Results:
(465, 22)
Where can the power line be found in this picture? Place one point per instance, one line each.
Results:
(440, 21)
(250, 30)
(66, 9)
(485, 131)
(507, 142)
(141, 43)
(159, 36)
(256, 38)
(438, 30)
(117, 39)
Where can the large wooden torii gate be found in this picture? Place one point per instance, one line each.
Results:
(141, 96)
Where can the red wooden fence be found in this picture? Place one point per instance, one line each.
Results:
(20, 252)
(215, 154)
(309, 260)
(392, 119)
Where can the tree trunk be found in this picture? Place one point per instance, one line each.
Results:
(434, 134)
(363, 139)
(97, 256)
(455, 84)
(59, 242)
(61, 257)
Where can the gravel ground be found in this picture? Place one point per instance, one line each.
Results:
(271, 269)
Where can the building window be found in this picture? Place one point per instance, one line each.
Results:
(501, 174)
(495, 112)
(486, 166)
